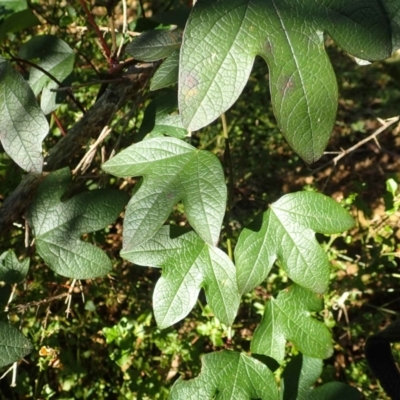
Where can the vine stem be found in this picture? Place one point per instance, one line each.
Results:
(51, 76)
(58, 123)
(228, 160)
(92, 22)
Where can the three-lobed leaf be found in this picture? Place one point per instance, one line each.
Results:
(58, 225)
(188, 264)
(23, 124)
(287, 232)
(289, 318)
(12, 270)
(223, 37)
(13, 344)
(172, 170)
(228, 375)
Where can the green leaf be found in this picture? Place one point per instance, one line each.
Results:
(287, 232)
(222, 38)
(23, 124)
(58, 225)
(17, 21)
(50, 101)
(393, 7)
(167, 74)
(300, 375)
(161, 118)
(228, 375)
(188, 264)
(10, 6)
(13, 344)
(391, 186)
(289, 318)
(173, 170)
(53, 55)
(334, 391)
(11, 270)
(155, 45)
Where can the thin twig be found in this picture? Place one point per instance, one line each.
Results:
(88, 157)
(38, 67)
(228, 160)
(385, 124)
(10, 299)
(124, 26)
(58, 123)
(113, 71)
(92, 83)
(113, 36)
(81, 289)
(13, 368)
(26, 236)
(22, 307)
(44, 323)
(69, 298)
(92, 22)
(89, 61)
(106, 29)
(382, 309)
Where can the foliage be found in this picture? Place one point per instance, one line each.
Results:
(24, 119)
(57, 225)
(173, 171)
(288, 317)
(231, 375)
(292, 220)
(206, 212)
(12, 271)
(301, 373)
(14, 344)
(289, 37)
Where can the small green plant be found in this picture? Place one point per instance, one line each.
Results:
(179, 197)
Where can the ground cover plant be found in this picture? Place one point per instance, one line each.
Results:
(198, 200)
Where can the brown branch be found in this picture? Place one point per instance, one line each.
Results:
(91, 83)
(92, 22)
(58, 123)
(23, 307)
(71, 147)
